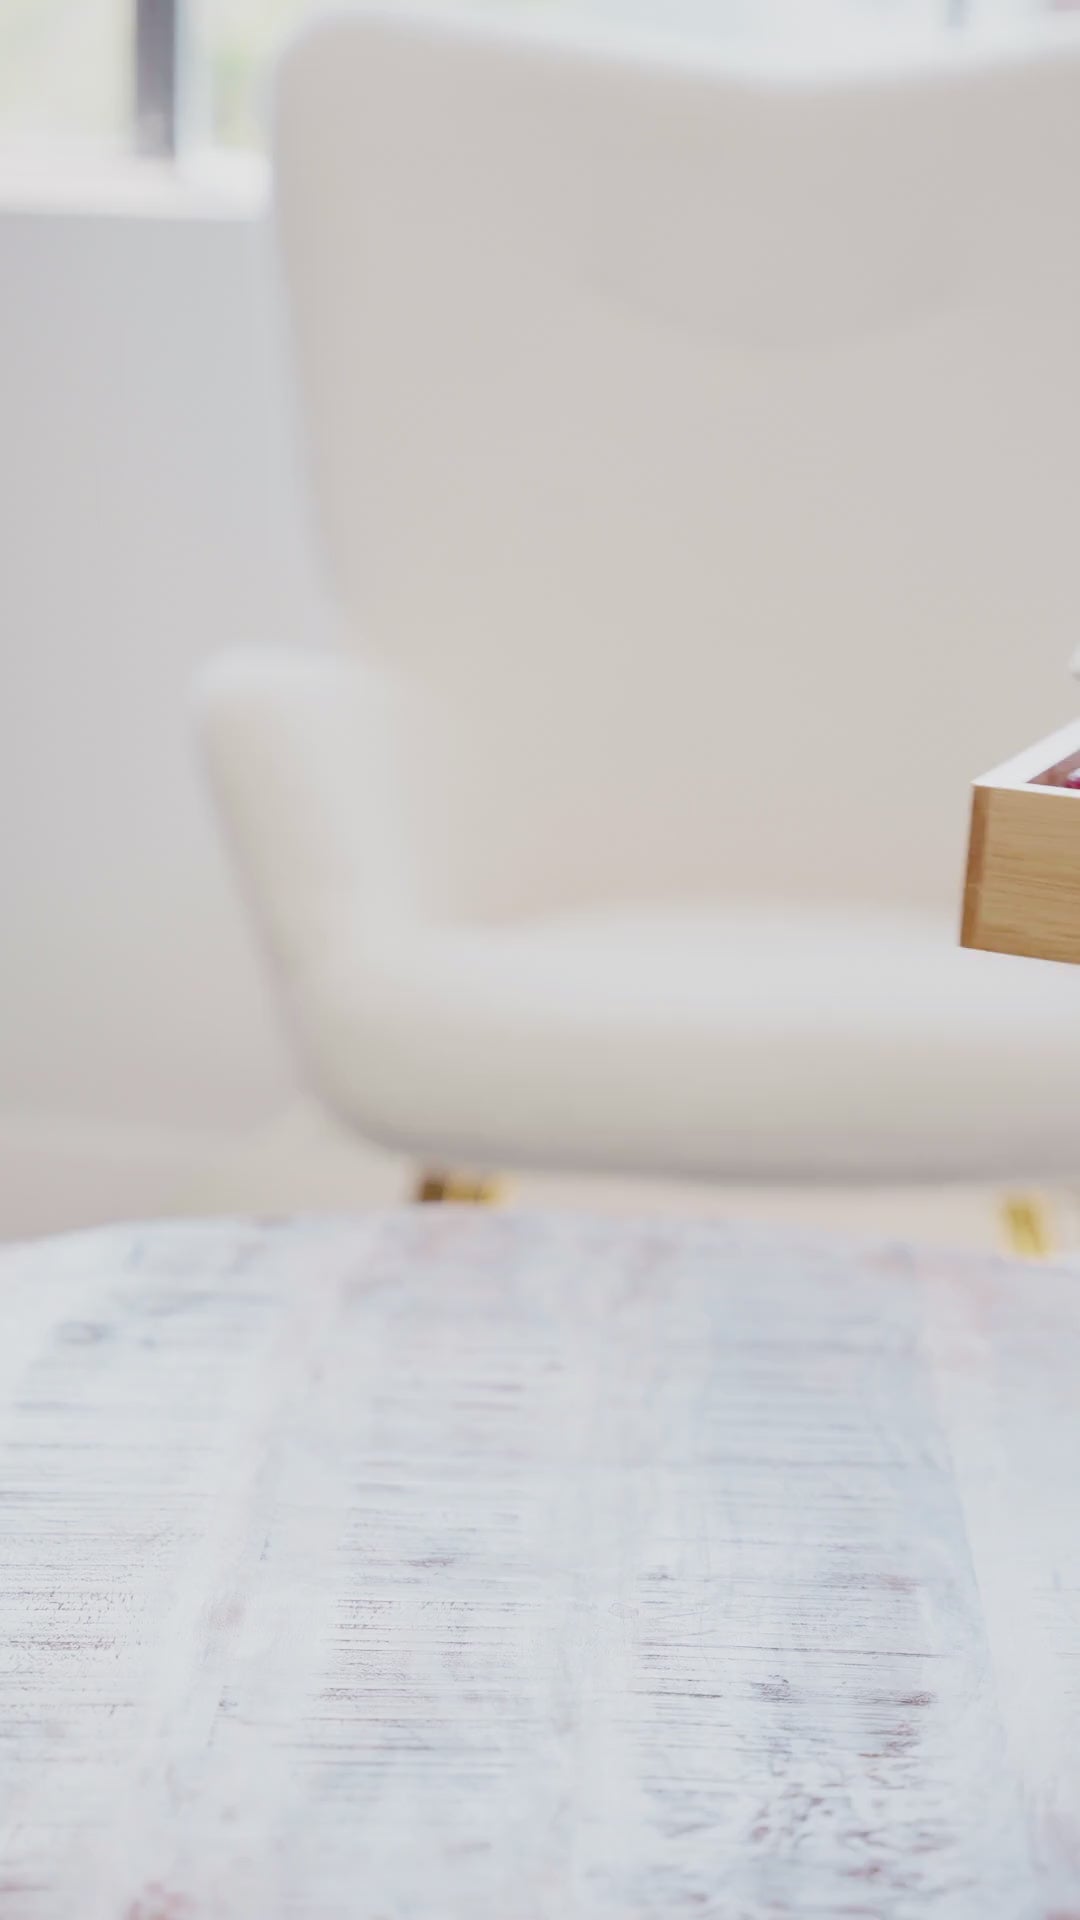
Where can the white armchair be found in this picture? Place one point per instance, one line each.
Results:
(695, 458)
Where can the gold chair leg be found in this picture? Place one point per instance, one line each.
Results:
(1027, 1226)
(434, 1188)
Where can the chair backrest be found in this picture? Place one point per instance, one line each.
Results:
(705, 445)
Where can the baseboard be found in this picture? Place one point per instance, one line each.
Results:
(58, 1174)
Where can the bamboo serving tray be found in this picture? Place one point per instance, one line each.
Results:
(1022, 891)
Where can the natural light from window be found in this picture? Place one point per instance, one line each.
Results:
(66, 66)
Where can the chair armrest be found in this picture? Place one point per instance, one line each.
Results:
(300, 751)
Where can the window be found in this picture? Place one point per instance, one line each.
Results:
(114, 74)
(64, 72)
(239, 38)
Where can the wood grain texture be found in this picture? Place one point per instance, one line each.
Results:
(465, 1566)
(1022, 885)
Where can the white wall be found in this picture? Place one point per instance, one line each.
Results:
(150, 516)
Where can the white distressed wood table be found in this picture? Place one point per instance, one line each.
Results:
(466, 1566)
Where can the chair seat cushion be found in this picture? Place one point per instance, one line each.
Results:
(758, 1042)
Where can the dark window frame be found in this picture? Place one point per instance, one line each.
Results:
(160, 60)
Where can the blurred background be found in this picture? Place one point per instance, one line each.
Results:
(67, 66)
(151, 516)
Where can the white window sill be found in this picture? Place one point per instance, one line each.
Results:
(212, 186)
